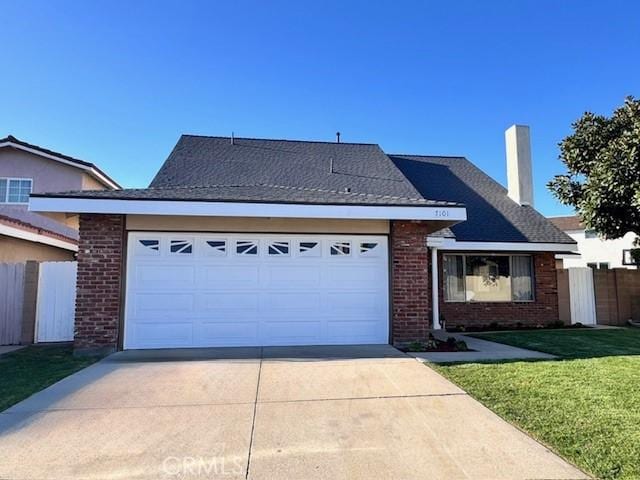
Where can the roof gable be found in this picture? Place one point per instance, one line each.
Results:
(90, 168)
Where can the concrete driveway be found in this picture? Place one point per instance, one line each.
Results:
(290, 413)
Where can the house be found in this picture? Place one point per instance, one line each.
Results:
(25, 169)
(241, 241)
(593, 251)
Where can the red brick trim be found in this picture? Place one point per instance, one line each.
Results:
(100, 269)
(409, 282)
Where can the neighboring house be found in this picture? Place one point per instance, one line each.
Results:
(593, 251)
(26, 169)
(241, 241)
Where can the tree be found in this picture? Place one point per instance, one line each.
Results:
(602, 182)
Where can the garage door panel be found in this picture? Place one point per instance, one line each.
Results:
(227, 332)
(162, 303)
(165, 276)
(293, 276)
(293, 332)
(255, 290)
(366, 304)
(278, 303)
(227, 302)
(159, 334)
(358, 330)
(223, 276)
(354, 276)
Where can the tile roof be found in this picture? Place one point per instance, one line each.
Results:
(35, 223)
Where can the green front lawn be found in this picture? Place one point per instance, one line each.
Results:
(29, 370)
(573, 343)
(585, 406)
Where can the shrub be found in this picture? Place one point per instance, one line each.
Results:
(556, 324)
(416, 347)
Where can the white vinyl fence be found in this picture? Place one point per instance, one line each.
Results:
(56, 302)
(582, 296)
(11, 302)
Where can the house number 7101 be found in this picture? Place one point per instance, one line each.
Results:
(442, 213)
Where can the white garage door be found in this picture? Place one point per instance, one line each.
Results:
(201, 290)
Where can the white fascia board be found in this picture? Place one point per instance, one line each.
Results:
(36, 237)
(452, 244)
(569, 256)
(234, 209)
(92, 171)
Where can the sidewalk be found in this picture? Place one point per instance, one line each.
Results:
(484, 350)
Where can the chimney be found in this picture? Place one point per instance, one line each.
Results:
(519, 177)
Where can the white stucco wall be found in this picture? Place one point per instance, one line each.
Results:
(595, 250)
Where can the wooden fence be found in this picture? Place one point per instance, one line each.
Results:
(11, 302)
(56, 302)
(37, 302)
(612, 295)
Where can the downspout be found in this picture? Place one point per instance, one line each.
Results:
(434, 243)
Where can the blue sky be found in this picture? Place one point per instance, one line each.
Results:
(116, 83)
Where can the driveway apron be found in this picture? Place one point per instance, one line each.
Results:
(281, 412)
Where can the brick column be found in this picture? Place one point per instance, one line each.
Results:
(409, 282)
(98, 300)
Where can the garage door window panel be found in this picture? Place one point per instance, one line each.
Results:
(216, 248)
(309, 249)
(278, 249)
(340, 249)
(369, 249)
(181, 247)
(247, 247)
(148, 247)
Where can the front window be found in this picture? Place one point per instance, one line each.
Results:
(488, 278)
(15, 190)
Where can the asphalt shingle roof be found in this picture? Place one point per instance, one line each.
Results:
(286, 171)
(363, 168)
(253, 193)
(491, 215)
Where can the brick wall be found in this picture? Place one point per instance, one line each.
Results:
(541, 311)
(409, 282)
(100, 253)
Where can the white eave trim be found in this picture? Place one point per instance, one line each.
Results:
(452, 244)
(91, 170)
(234, 209)
(36, 237)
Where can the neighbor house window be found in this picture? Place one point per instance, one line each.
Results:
(15, 190)
(488, 278)
(590, 234)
